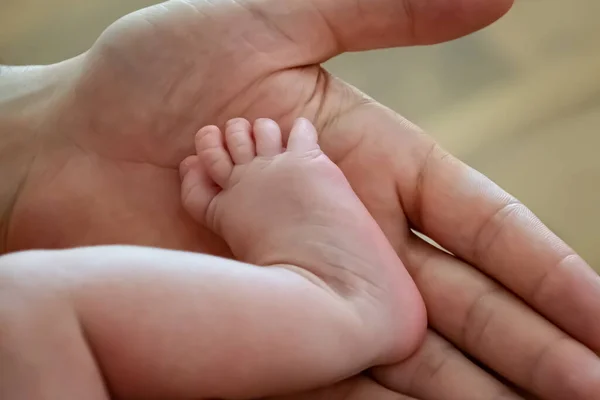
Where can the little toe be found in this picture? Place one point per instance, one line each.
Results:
(268, 137)
(303, 136)
(239, 141)
(210, 147)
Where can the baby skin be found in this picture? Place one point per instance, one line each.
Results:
(290, 210)
(318, 293)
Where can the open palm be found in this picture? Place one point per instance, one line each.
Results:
(106, 172)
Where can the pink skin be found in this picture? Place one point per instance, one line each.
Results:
(319, 296)
(293, 206)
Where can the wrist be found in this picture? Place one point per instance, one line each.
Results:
(29, 102)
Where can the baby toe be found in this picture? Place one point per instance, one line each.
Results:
(268, 138)
(210, 147)
(238, 137)
(303, 137)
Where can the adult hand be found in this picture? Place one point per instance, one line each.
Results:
(122, 116)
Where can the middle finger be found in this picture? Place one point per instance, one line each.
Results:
(488, 322)
(438, 371)
(357, 388)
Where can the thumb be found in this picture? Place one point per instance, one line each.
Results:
(325, 28)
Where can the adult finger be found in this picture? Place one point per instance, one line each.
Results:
(357, 388)
(476, 220)
(361, 25)
(492, 325)
(457, 207)
(367, 140)
(438, 371)
(325, 28)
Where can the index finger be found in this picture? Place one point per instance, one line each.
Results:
(479, 222)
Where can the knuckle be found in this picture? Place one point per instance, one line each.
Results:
(492, 226)
(478, 318)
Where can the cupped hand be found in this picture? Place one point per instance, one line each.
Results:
(513, 297)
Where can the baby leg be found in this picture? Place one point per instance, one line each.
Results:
(130, 322)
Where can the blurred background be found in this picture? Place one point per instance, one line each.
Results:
(520, 101)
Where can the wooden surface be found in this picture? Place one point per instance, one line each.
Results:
(520, 101)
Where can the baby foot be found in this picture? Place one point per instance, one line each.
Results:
(293, 206)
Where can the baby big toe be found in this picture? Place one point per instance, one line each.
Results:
(210, 147)
(197, 188)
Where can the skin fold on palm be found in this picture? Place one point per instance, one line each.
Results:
(119, 119)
